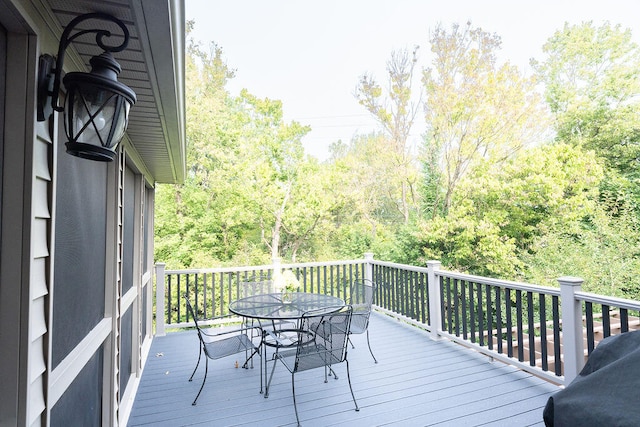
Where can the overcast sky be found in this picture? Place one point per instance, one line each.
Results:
(310, 54)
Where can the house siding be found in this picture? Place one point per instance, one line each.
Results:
(69, 281)
(39, 277)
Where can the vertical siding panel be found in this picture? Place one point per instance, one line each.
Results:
(118, 286)
(39, 274)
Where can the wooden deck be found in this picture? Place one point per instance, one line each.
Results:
(417, 382)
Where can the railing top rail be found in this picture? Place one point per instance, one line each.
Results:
(606, 300)
(402, 266)
(500, 283)
(218, 269)
(323, 263)
(261, 267)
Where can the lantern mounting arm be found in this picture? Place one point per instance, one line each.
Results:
(66, 39)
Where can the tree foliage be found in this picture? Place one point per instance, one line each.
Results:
(475, 108)
(498, 213)
(495, 195)
(396, 112)
(592, 81)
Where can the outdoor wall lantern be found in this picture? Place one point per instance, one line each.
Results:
(97, 106)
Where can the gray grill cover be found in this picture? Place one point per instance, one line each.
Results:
(607, 391)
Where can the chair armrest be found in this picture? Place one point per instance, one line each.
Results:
(235, 330)
(285, 338)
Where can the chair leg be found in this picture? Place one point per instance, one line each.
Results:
(370, 351)
(352, 346)
(351, 388)
(260, 352)
(197, 364)
(332, 372)
(266, 368)
(206, 370)
(293, 392)
(275, 362)
(245, 365)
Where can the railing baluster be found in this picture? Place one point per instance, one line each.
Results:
(499, 318)
(591, 335)
(197, 307)
(606, 321)
(520, 326)
(472, 311)
(480, 316)
(531, 330)
(169, 299)
(411, 298)
(446, 305)
(422, 300)
(624, 320)
(204, 293)
(543, 333)
(178, 300)
(509, 325)
(221, 293)
(489, 317)
(556, 336)
(325, 278)
(456, 306)
(463, 299)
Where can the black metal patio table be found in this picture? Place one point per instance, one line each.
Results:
(283, 306)
(276, 308)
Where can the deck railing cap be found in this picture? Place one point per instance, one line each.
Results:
(570, 280)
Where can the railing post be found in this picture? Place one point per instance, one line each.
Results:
(572, 331)
(434, 299)
(368, 267)
(276, 276)
(160, 302)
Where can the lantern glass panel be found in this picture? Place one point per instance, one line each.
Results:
(92, 112)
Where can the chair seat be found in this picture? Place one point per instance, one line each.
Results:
(357, 329)
(309, 357)
(228, 346)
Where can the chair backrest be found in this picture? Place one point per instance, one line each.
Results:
(255, 285)
(330, 337)
(192, 313)
(362, 292)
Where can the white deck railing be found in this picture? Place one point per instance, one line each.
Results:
(544, 330)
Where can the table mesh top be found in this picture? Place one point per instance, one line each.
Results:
(290, 305)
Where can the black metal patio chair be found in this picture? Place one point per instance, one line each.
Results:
(362, 292)
(221, 344)
(322, 343)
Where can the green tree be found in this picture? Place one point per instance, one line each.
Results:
(396, 113)
(475, 108)
(365, 213)
(592, 81)
(602, 249)
(202, 221)
(275, 168)
(498, 214)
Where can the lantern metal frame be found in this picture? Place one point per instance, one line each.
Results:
(97, 105)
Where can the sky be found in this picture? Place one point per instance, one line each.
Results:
(310, 54)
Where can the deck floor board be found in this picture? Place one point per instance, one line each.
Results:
(417, 382)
